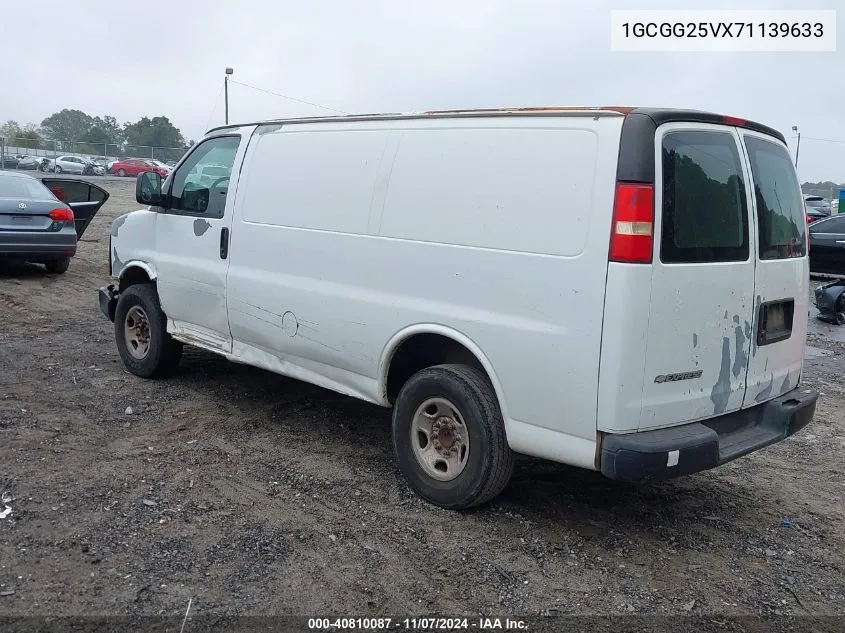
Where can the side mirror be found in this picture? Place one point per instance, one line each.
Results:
(148, 189)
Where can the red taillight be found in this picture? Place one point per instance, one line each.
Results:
(632, 233)
(61, 215)
(734, 120)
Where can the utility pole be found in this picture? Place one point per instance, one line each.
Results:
(798, 147)
(229, 71)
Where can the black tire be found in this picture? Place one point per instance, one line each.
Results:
(162, 357)
(490, 462)
(58, 266)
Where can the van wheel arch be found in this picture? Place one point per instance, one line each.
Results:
(134, 275)
(421, 350)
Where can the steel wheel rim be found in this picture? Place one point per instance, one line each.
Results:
(440, 439)
(136, 332)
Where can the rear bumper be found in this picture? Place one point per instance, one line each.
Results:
(108, 301)
(691, 448)
(38, 244)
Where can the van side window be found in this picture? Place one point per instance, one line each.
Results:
(705, 210)
(201, 183)
(780, 207)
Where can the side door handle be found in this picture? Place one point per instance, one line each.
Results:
(224, 242)
(840, 241)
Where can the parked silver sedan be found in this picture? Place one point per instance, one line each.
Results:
(73, 165)
(41, 220)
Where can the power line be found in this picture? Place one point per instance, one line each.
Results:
(276, 94)
(814, 138)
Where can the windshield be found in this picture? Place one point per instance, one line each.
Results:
(23, 188)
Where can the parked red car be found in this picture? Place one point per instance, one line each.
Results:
(135, 166)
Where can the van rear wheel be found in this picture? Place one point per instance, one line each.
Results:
(140, 329)
(449, 437)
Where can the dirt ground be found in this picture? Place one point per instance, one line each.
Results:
(248, 493)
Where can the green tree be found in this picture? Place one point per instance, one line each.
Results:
(18, 136)
(154, 132)
(104, 130)
(67, 125)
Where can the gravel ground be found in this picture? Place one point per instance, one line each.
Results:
(249, 493)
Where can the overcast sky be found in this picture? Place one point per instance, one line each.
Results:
(130, 59)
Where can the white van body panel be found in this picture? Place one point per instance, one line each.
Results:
(326, 278)
(132, 243)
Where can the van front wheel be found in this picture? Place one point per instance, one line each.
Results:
(140, 330)
(449, 437)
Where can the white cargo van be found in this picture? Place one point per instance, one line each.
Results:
(624, 290)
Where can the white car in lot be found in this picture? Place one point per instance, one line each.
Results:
(75, 165)
(622, 290)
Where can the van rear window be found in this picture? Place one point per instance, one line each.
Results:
(780, 210)
(705, 210)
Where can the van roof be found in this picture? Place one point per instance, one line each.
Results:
(657, 115)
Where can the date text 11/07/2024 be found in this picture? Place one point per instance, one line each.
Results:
(417, 624)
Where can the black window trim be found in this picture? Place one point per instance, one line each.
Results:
(765, 138)
(658, 162)
(169, 181)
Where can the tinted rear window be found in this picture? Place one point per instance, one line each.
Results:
(780, 208)
(705, 211)
(23, 188)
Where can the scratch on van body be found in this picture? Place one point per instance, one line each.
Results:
(118, 265)
(118, 222)
(257, 318)
(741, 358)
(785, 384)
(339, 350)
(722, 389)
(201, 226)
(766, 392)
(252, 305)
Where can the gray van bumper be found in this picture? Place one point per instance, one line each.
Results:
(691, 448)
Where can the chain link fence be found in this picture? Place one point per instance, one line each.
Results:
(11, 148)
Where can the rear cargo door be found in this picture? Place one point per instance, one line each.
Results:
(85, 198)
(702, 290)
(782, 275)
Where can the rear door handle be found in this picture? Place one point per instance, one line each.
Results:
(224, 242)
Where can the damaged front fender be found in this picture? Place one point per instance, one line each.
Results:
(830, 301)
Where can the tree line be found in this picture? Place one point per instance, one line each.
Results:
(70, 127)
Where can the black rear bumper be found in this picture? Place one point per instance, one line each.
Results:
(691, 448)
(108, 301)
